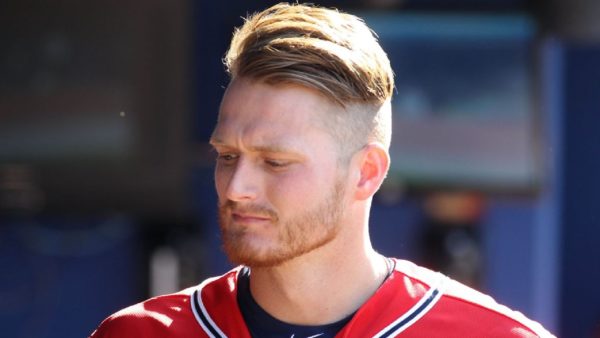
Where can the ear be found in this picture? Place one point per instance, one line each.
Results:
(374, 163)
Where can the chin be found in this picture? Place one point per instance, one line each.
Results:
(257, 261)
(265, 258)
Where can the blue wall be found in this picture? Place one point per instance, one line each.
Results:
(580, 310)
(62, 275)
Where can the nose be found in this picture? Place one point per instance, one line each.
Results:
(241, 182)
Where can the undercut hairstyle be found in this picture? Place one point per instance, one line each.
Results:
(324, 49)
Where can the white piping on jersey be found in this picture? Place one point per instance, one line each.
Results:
(196, 299)
(429, 299)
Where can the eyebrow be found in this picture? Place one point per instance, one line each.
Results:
(267, 148)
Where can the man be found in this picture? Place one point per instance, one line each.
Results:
(302, 146)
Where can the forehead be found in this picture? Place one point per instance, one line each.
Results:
(259, 112)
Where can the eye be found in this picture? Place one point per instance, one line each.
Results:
(227, 158)
(278, 164)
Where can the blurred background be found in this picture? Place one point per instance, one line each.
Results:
(106, 192)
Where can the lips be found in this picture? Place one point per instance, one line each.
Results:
(238, 213)
(249, 218)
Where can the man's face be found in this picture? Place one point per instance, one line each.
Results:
(281, 191)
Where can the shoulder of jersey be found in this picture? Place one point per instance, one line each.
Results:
(153, 317)
(470, 308)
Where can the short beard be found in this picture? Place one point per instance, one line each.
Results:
(295, 237)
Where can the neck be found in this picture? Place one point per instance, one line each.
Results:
(323, 286)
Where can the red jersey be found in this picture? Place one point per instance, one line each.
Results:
(412, 302)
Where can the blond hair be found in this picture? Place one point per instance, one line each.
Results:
(324, 49)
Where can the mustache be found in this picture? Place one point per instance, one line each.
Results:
(230, 207)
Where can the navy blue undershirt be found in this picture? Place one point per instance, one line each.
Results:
(263, 325)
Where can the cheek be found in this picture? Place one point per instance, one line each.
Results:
(293, 191)
(221, 177)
